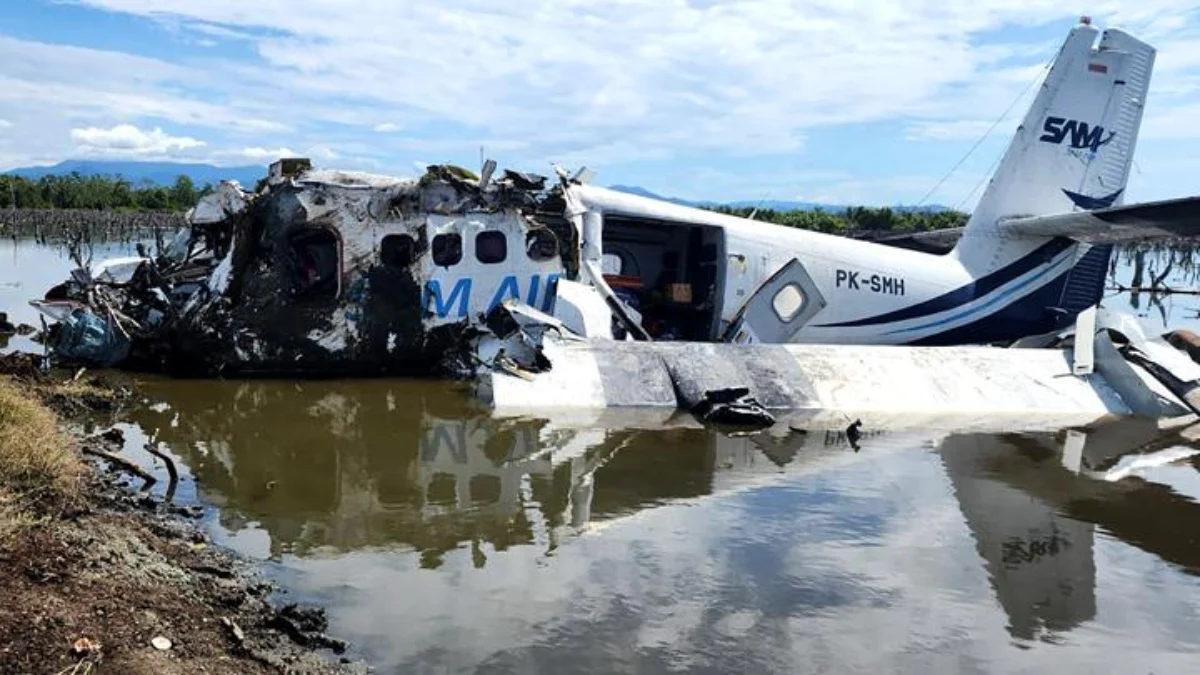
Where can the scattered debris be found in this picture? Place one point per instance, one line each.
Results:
(113, 435)
(733, 407)
(172, 472)
(121, 463)
(85, 647)
(235, 631)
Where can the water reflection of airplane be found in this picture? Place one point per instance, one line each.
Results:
(371, 463)
(1033, 503)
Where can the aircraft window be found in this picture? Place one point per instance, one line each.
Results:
(611, 263)
(788, 302)
(315, 263)
(397, 250)
(541, 245)
(491, 247)
(447, 249)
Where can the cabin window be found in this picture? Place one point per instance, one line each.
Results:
(316, 257)
(397, 250)
(611, 263)
(788, 302)
(491, 247)
(541, 245)
(447, 249)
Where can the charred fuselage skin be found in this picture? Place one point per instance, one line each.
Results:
(330, 273)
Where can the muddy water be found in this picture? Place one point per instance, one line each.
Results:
(442, 540)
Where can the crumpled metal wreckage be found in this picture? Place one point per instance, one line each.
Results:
(317, 273)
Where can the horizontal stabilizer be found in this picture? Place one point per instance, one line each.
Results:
(1136, 222)
(929, 241)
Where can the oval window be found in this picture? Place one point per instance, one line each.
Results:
(491, 247)
(788, 302)
(611, 263)
(447, 249)
(397, 250)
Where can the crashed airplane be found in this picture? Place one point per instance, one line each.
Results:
(557, 293)
(321, 272)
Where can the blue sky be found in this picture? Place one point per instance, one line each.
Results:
(846, 102)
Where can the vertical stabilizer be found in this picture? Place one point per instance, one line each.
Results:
(1074, 149)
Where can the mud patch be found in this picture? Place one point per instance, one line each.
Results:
(122, 583)
(119, 581)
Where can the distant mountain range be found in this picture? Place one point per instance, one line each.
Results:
(159, 173)
(771, 204)
(165, 173)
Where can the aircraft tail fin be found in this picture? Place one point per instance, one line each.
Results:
(1075, 147)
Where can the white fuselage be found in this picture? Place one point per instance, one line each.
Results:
(873, 293)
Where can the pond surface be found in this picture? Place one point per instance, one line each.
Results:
(442, 540)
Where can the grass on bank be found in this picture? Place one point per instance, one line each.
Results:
(40, 474)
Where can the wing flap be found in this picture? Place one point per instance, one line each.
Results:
(1136, 222)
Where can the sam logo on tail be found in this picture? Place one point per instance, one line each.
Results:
(1083, 136)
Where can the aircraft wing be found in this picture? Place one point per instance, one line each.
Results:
(1136, 222)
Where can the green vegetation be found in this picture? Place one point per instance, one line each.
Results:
(103, 193)
(113, 193)
(856, 219)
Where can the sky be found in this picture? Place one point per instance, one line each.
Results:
(861, 102)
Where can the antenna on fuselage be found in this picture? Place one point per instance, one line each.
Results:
(754, 211)
(583, 176)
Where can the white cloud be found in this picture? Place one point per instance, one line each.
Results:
(256, 126)
(322, 153)
(5, 124)
(606, 85)
(266, 154)
(126, 139)
(956, 130)
(661, 77)
(1173, 123)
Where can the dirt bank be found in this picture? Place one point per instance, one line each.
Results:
(100, 578)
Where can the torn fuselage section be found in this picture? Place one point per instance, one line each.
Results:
(322, 272)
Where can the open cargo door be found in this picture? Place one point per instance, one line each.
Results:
(778, 309)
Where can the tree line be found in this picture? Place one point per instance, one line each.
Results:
(99, 193)
(855, 219)
(115, 193)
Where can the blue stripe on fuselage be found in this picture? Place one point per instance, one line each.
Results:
(964, 294)
(991, 302)
(1030, 315)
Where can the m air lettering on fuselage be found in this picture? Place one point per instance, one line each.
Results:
(1083, 136)
(456, 302)
(875, 283)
